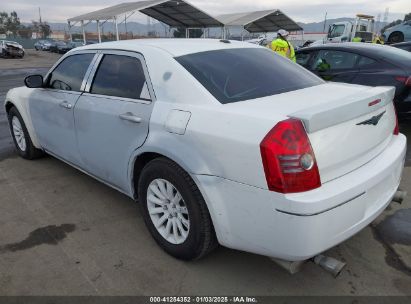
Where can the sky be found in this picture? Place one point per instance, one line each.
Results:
(299, 10)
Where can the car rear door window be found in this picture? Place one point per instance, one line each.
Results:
(335, 60)
(365, 61)
(69, 74)
(120, 76)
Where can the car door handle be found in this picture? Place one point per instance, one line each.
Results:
(66, 105)
(130, 117)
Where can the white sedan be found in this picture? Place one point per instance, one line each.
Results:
(221, 142)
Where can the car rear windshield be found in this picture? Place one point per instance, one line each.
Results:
(241, 74)
(396, 55)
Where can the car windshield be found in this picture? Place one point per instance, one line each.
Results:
(241, 74)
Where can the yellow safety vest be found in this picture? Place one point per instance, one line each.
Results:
(283, 48)
(356, 39)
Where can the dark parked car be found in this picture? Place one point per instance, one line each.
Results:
(53, 47)
(63, 47)
(403, 45)
(360, 63)
(74, 44)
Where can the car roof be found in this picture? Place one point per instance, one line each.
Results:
(346, 46)
(175, 46)
(376, 51)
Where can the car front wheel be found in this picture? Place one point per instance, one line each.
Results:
(21, 137)
(175, 211)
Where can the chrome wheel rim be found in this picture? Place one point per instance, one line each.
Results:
(19, 133)
(168, 211)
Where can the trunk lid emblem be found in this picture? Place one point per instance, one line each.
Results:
(373, 120)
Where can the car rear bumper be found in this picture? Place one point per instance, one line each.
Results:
(299, 226)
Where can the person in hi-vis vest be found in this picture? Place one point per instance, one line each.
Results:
(282, 47)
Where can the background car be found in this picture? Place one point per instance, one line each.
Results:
(60, 47)
(11, 49)
(366, 64)
(74, 44)
(403, 45)
(53, 46)
(398, 33)
(47, 44)
(38, 46)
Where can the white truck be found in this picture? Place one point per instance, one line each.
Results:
(361, 30)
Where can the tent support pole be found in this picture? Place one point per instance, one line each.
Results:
(84, 31)
(99, 31)
(116, 25)
(69, 28)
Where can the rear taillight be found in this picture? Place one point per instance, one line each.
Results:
(397, 127)
(405, 80)
(288, 159)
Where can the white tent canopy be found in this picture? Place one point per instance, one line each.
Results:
(175, 13)
(180, 13)
(260, 21)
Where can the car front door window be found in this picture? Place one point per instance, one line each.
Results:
(69, 74)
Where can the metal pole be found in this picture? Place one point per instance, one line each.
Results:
(71, 35)
(98, 31)
(125, 23)
(187, 33)
(84, 31)
(116, 24)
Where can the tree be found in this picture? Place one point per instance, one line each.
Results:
(407, 17)
(180, 32)
(43, 28)
(13, 23)
(9, 23)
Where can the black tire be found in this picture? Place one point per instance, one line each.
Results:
(31, 152)
(396, 37)
(201, 238)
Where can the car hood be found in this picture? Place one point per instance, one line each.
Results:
(17, 46)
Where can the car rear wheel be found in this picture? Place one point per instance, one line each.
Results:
(21, 137)
(396, 37)
(175, 211)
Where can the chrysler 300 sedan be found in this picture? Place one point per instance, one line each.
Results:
(220, 142)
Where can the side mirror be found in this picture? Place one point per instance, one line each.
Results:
(34, 81)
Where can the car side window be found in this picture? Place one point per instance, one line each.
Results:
(69, 74)
(120, 76)
(334, 60)
(303, 58)
(365, 61)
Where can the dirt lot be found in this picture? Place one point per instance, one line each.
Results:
(32, 59)
(63, 233)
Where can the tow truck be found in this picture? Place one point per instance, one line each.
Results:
(362, 30)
